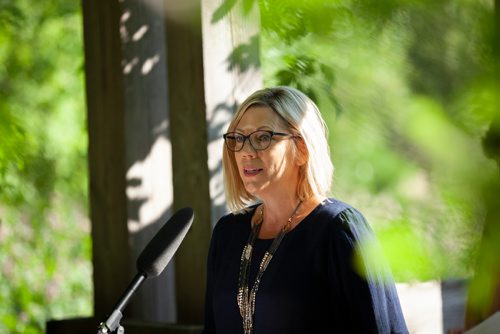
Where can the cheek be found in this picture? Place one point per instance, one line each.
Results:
(238, 163)
(279, 163)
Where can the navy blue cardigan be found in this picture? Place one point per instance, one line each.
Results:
(312, 283)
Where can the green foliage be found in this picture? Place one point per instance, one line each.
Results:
(407, 92)
(45, 245)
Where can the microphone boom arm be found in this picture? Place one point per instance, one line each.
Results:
(112, 324)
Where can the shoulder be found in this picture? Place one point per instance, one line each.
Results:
(342, 217)
(338, 211)
(231, 229)
(234, 220)
(332, 207)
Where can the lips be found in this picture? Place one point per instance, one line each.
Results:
(248, 171)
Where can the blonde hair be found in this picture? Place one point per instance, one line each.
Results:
(301, 115)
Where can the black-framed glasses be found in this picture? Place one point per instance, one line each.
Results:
(260, 139)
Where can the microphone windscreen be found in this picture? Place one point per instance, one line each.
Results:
(160, 250)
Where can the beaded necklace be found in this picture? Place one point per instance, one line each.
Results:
(246, 297)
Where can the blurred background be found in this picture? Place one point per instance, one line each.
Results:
(407, 89)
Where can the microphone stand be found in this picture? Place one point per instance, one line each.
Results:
(112, 324)
(151, 262)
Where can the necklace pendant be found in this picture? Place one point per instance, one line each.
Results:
(246, 312)
(247, 324)
(248, 251)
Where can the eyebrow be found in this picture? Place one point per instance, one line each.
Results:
(263, 127)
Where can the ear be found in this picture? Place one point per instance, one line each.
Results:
(302, 153)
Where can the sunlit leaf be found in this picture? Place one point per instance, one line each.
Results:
(223, 10)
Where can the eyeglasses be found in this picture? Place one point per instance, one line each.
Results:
(260, 140)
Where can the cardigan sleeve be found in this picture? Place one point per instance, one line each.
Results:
(364, 279)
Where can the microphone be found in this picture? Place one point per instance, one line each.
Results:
(151, 262)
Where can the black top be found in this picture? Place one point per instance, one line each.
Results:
(312, 284)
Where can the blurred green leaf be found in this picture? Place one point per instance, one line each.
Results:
(223, 10)
(414, 83)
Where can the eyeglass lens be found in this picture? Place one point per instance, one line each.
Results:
(260, 140)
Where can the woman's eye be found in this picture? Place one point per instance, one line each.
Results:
(264, 138)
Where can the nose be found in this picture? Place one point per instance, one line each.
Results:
(247, 149)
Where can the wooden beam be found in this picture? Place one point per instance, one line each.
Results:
(189, 152)
(105, 104)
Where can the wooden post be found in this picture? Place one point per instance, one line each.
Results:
(129, 150)
(148, 148)
(105, 104)
(189, 152)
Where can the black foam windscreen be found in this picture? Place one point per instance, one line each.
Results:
(160, 250)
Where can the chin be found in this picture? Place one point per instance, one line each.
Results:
(252, 190)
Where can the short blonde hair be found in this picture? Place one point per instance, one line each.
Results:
(302, 117)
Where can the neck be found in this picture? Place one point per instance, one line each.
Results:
(276, 213)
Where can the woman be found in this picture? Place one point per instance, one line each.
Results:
(284, 260)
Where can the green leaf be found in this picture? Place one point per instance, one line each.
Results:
(223, 10)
